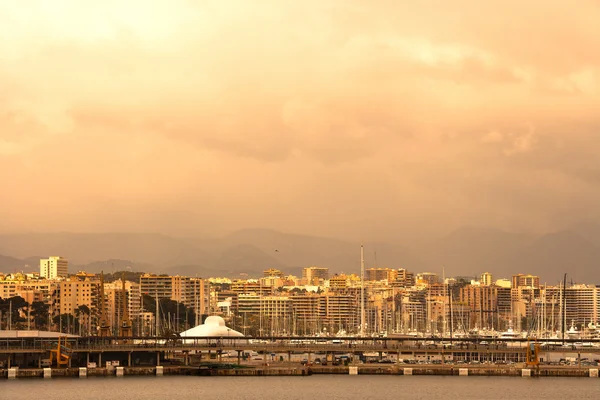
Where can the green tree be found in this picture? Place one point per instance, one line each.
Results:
(16, 307)
(65, 322)
(82, 314)
(131, 276)
(39, 314)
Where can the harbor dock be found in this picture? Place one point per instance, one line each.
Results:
(217, 370)
(286, 356)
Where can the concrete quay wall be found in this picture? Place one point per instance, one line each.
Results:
(516, 371)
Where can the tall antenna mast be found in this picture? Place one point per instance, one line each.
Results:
(362, 290)
(444, 302)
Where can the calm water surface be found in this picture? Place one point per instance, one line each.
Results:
(321, 387)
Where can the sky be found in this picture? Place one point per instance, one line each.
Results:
(347, 118)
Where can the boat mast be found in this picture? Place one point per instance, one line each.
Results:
(362, 291)
(564, 307)
(451, 317)
(157, 314)
(444, 302)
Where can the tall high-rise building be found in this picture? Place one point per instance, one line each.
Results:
(53, 267)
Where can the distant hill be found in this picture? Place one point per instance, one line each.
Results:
(10, 264)
(83, 248)
(301, 251)
(553, 255)
(466, 251)
(473, 250)
(588, 229)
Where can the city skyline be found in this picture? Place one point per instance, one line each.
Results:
(395, 301)
(341, 119)
(278, 188)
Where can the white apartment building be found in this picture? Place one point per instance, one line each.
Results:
(54, 267)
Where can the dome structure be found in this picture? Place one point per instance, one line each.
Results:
(212, 326)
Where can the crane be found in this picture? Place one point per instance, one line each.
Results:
(103, 327)
(125, 324)
(61, 354)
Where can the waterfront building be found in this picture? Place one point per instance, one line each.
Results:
(114, 297)
(337, 311)
(192, 292)
(582, 302)
(305, 312)
(72, 293)
(504, 304)
(482, 302)
(75, 298)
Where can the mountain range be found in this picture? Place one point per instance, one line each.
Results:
(468, 251)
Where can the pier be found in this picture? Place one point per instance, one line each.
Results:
(121, 356)
(409, 370)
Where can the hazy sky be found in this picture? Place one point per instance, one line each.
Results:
(350, 118)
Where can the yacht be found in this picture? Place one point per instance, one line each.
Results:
(510, 334)
(573, 333)
(593, 331)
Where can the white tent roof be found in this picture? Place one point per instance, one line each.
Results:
(212, 326)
